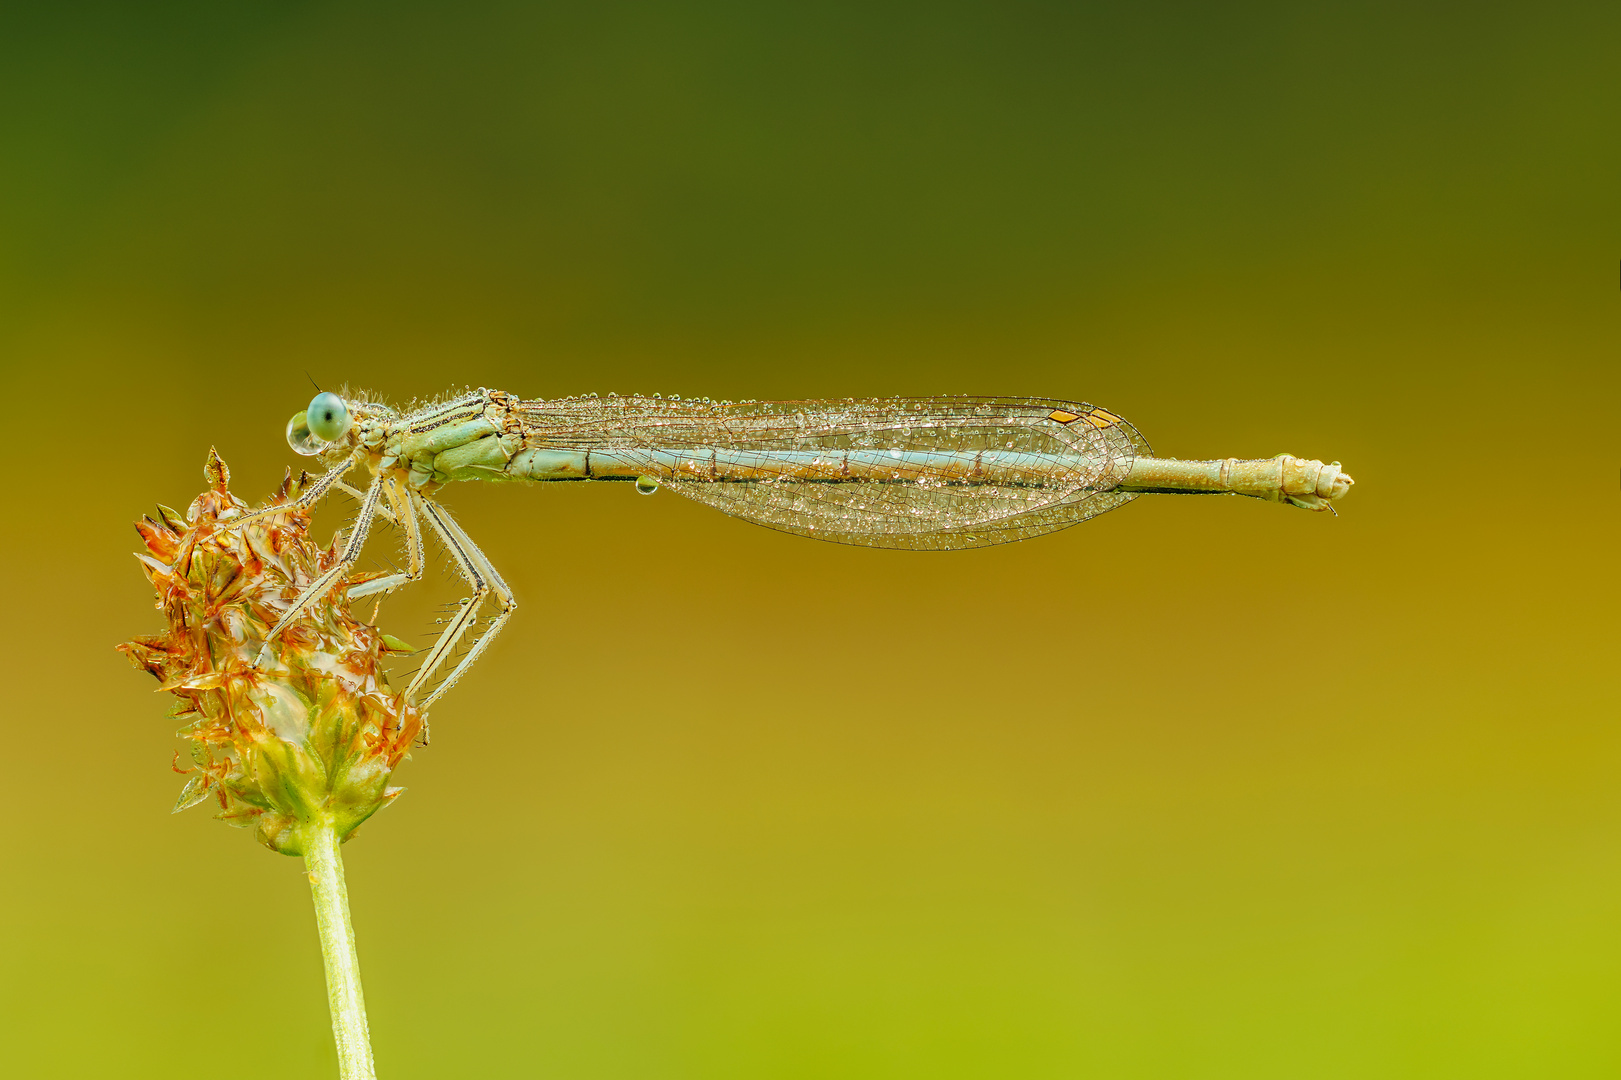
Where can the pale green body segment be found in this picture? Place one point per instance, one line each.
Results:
(489, 436)
(1006, 467)
(482, 459)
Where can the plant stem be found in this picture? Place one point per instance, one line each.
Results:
(343, 992)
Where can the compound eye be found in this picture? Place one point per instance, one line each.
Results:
(299, 437)
(328, 417)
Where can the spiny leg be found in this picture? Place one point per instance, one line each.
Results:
(501, 593)
(389, 512)
(307, 498)
(486, 583)
(403, 515)
(346, 560)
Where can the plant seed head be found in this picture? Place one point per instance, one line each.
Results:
(280, 736)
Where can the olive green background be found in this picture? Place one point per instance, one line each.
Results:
(1203, 788)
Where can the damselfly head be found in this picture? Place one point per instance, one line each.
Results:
(327, 416)
(325, 422)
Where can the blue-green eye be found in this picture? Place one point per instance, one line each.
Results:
(327, 416)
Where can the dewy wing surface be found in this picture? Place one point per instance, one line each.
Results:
(929, 473)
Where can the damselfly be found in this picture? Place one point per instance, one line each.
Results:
(921, 473)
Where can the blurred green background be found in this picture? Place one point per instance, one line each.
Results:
(1205, 788)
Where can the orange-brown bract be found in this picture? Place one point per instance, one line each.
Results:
(314, 730)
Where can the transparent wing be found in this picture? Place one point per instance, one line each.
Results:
(894, 472)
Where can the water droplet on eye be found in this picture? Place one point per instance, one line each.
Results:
(646, 485)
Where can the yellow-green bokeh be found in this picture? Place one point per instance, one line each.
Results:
(1204, 788)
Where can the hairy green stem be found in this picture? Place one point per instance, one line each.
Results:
(343, 992)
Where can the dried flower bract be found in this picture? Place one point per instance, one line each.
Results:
(312, 732)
